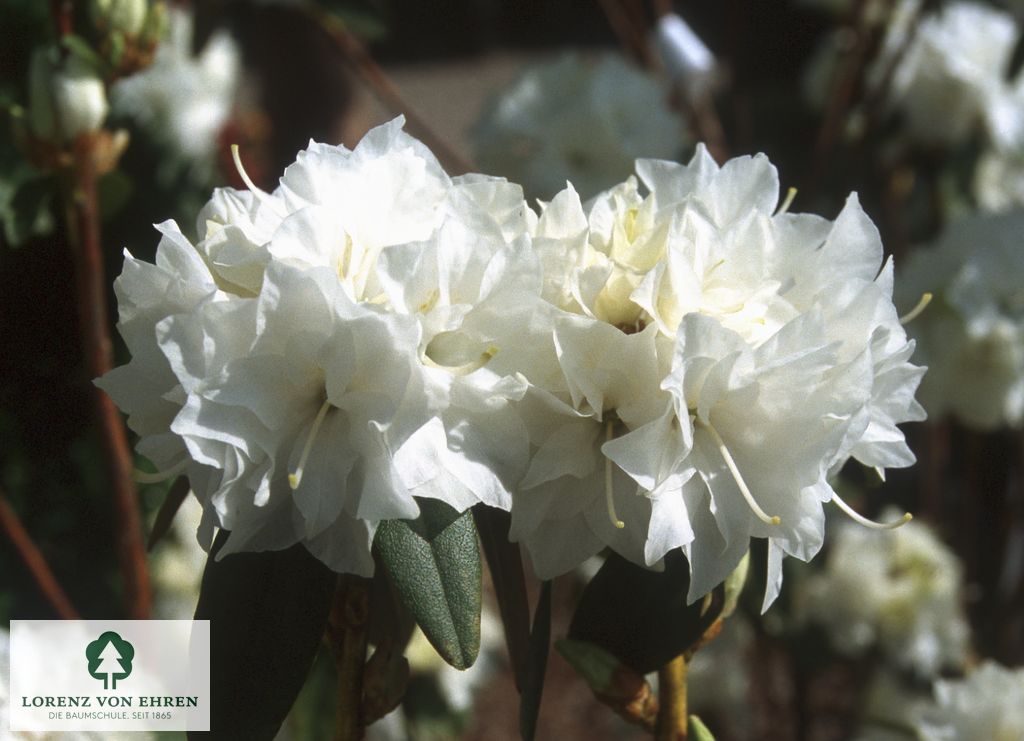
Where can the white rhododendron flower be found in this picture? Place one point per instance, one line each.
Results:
(988, 704)
(900, 592)
(998, 183)
(952, 76)
(718, 359)
(972, 336)
(321, 354)
(183, 100)
(580, 121)
(677, 364)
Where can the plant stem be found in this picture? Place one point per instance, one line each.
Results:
(671, 724)
(347, 633)
(83, 222)
(33, 558)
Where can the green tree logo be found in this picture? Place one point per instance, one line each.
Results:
(110, 658)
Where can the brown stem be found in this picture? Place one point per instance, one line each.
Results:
(347, 633)
(358, 57)
(631, 38)
(61, 11)
(671, 724)
(841, 97)
(33, 558)
(83, 220)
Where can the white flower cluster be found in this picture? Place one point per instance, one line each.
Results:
(988, 704)
(686, 358)
(578, 121)
(900, 592)
(972, 335)
(183, 100)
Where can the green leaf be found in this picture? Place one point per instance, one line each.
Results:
(114, 190)
(267, 614)
(26, 206)
(434, 563)
(84, 51)
(641, 616)
(175, 497)
(697, 731)
(506, 567)
(533, 684)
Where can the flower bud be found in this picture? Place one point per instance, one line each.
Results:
(66, 97)
(125, 16)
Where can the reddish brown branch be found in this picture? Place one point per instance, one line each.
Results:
(61, 11)
(358, 57)
(841, 96)
(33, 558)
(631, 37)
(82, 209)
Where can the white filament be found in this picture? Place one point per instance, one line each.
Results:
(738, 477)
(261, 195)
(926, 298)
(609, 492)
(790, 197)
(142, 477)
(294, 479)
(862, 520)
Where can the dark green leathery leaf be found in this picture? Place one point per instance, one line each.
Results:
(434, 563)
(641, 616)
(267, 614)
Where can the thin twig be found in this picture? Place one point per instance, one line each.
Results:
(61, 12)
(631, 38)
(83, 220)
(672, 715)
(33, 558)
(635, 41)
(347, 632)
(358, 57)
(841, 96)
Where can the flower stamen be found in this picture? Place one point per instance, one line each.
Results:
(609, 492)
(144, 477)
(261, 195)
(926, 298)
(738, 477)
(295, 478)
(790, 197)
(862, 520)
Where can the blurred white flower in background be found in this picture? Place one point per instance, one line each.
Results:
(577, 120)
(66, 96)
(892, 707)
(900, 592)
(972, 335)
(952, 76)
(998, 183)
(988, 704)
(183, 101)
